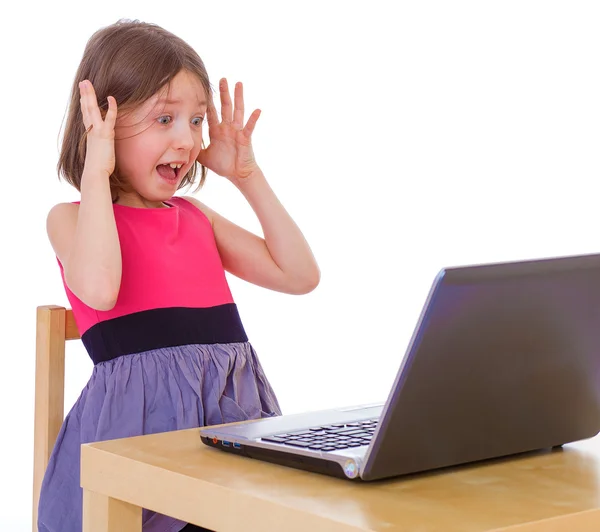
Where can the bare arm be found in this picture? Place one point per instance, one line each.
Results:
(84, 237)
(85, 240)
(280, 261)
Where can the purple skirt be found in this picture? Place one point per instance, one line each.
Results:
(161, 390)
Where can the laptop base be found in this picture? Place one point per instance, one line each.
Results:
(306, 463)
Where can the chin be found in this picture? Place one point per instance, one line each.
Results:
(158, 194)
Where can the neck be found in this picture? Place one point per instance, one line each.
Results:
(135, 200)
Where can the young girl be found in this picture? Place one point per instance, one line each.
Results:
(144, 270)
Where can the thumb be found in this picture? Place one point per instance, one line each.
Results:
(201, 156)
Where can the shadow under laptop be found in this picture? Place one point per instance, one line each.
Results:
(519, 460)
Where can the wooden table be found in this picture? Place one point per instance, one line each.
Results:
(175, 474)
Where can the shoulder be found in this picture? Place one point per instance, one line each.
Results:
(60, 214)
(61, 222)
(207, 211)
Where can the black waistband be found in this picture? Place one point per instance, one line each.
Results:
(158, 328)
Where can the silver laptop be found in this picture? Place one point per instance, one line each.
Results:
(504, 359)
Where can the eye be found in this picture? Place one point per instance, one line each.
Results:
(164, 119)
(198, 121)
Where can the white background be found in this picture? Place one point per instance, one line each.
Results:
(400, 139)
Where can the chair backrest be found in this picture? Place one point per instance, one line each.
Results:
(54, 326)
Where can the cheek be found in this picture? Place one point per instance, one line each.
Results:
(122, 150)
(131, 153)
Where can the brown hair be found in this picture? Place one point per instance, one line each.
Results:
(131, 61)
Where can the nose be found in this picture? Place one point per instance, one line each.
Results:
(183, 138)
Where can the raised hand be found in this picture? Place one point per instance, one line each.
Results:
(100, 145)
(230, 152)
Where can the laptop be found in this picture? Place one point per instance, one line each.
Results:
(504, 359)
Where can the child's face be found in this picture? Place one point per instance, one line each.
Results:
(164, 130)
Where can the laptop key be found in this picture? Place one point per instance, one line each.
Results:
(357, 433)
(274, 439)
(296, 443)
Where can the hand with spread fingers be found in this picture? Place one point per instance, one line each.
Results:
(100, 142)
(230, 153)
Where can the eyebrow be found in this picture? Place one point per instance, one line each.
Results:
(173, 102)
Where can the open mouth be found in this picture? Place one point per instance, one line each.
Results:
(170, 172)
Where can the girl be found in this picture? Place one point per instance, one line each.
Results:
(144, 270)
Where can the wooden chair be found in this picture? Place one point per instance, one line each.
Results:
(55, 325)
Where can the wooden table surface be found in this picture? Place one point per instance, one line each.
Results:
(175, 474)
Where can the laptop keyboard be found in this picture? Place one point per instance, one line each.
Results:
(329, 437)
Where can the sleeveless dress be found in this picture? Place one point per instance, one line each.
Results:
(172, 354)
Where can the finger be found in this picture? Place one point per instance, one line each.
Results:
(238, 111)
(211, 114)
(87, 121)
(251, 123)
(225, 101)
(111, 114)
(89, 104)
